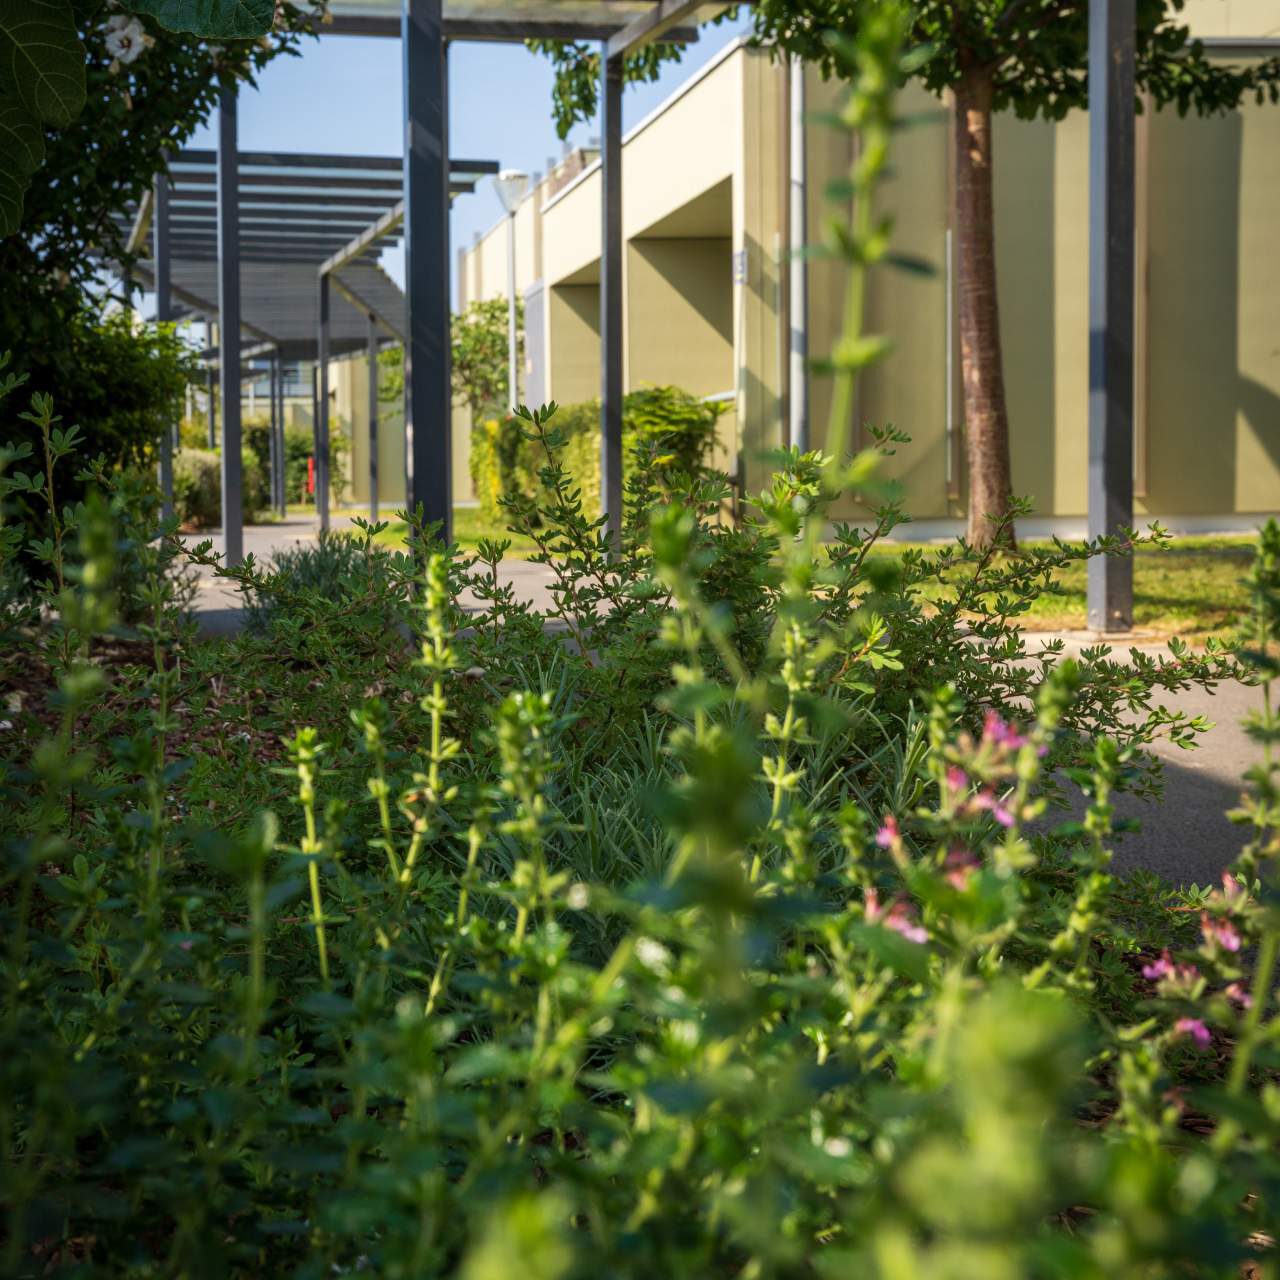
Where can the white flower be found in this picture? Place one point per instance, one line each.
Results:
(652, 954)
(126, 38)
(578, 897)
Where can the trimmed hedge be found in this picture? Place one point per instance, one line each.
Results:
(677, 425)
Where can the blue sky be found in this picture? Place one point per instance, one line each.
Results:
(343, 94)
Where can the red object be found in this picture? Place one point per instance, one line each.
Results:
(311, 475)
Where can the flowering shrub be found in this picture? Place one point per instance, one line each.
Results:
(723, 930)
(675, 429)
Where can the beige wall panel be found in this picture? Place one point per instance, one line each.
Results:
(668, 161)
(1258, 289)
(1042, 226)
(759, 315)
(349, 380)
(573, 328)
(1215, 313)
(571, 229)
(908, 388)
(829, 154)
(681, 314)
(688, 148)
(1239, 18)
(680, 321)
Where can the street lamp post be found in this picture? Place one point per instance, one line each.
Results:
(511, 185)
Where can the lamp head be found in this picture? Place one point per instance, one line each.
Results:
(511, 186)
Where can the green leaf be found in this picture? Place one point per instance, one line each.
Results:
(42, 60)
(217, 19)
(21, 139)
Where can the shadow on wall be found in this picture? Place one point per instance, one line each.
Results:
(1027, 232)
(1194, 308)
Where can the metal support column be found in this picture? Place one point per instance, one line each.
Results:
(322, 403)
(513, 337)
(282, 453)
(164, 314)
(798, 381)
(1111, 304)
(373, 416)
(427, 396)
(229, 328)
(611, 249)
(273, 460)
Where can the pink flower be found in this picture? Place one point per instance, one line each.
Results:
(1232, 889)
(1170, 975)
(1194, 1028)
(187, 945)
(1221, 933)
(888, 833)
(959, 867)
(986, 800)
(1001, 733)
(1238, 996)
(957, 779)
(900, 921)
(898, 917)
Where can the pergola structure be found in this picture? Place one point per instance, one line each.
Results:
(294, 211)
(425, 29)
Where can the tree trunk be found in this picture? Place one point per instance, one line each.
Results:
(986, 419)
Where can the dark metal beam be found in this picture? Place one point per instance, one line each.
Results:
(427, 399)
(373, 416)
(288, 160)
(186, 178)
(1111, 304)
(387, 225)
(322, 416)
(229, 329)
(651, 26)
(611, 247)
(273, 461)
(509, 30)
(164, 313)
(393, 325)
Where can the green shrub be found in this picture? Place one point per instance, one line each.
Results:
(678, 428)
(197, 487)
(337, 569)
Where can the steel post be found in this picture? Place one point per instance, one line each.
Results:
(164, 314)
(322, 403)
(1111, 304)
(513, 356)
(611, 249)
(427, 395)
(373, 417)
(229, 329)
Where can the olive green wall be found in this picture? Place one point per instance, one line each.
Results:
(759, 205)
(1213, 436)
(573, 342)
(908, 390)
(349, 413)
(680, 321)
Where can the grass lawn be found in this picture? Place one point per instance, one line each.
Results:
(469, 526)
(1194, 590)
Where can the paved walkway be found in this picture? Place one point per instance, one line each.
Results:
(1184, 836)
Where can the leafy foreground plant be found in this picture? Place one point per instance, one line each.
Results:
(776, 977)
